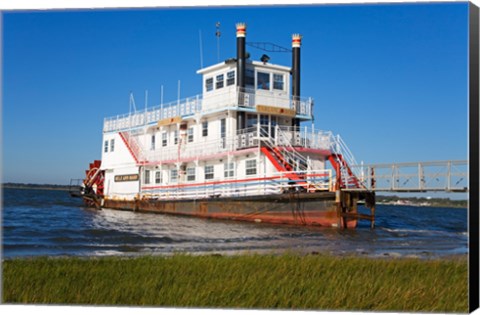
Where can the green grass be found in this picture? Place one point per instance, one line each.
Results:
(248, 281)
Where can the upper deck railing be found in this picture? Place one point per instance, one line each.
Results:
(231, 98)
(244, 139)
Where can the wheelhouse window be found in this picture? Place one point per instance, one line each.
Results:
(278, 82)
(158, 177)
(105, 146)
(173, 175)
(191, 174)
(230, 78)
(204, 128)
(249, 78)
(209, 172)
(209, 84)
(263, 81)
(164, 139)
(251, 167)
(175, 137)
(219, 83)
(146, 177)
(112, 145)
(229, 169)
(190, 134)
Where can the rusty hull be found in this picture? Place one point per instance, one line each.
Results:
(307, 209)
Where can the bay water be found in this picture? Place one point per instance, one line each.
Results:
(51, 223)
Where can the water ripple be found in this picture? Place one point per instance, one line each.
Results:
(43, 222)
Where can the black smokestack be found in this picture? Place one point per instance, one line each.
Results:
(241, 32)
(296, 42)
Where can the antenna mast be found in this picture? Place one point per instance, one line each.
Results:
(218, 33)
(201, 48)
(132, 103)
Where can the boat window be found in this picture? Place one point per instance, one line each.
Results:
(190, 134)
(209, 84)
(152, 143)
(175, 136)
(251, 120)
(278, 81)
(158, 177)
(191, 174)
(204, 128)
(230, 78)
(146, 177)
(112, 145)
(209, 173)
(263, 81)
(219, 84)
(223, 127)
(264, 121)
(251, 167)
(249, 78)
(105, 147)
(173, 175)
(164, 139)
(273, 123)
(229, 169)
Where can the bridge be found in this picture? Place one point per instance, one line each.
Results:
(413, 177)
(438, 176)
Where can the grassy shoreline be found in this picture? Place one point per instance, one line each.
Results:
(288, 281)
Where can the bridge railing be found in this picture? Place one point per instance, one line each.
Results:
(450, 176)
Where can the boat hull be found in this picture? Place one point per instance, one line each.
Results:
(306, 209)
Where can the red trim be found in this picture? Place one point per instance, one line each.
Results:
(308, 150)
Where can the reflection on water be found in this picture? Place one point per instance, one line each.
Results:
(39, 222)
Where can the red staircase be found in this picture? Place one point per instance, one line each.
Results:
(132, 145)
(275, 156)
(345, 176)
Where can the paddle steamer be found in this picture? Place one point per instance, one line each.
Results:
(244, 149)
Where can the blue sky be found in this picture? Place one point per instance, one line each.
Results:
(390, 79)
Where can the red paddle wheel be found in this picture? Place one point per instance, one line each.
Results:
(93, 185)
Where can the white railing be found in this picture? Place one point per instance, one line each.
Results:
(297, 160)
(287, 137)
(278, 183)
(228, 98)
(191, 150)
(186, 106)
(449, 176)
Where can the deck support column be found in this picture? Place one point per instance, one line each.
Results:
(338, 204)
(370, 203)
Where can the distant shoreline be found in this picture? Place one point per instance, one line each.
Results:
(381, 200)
(36, 186)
